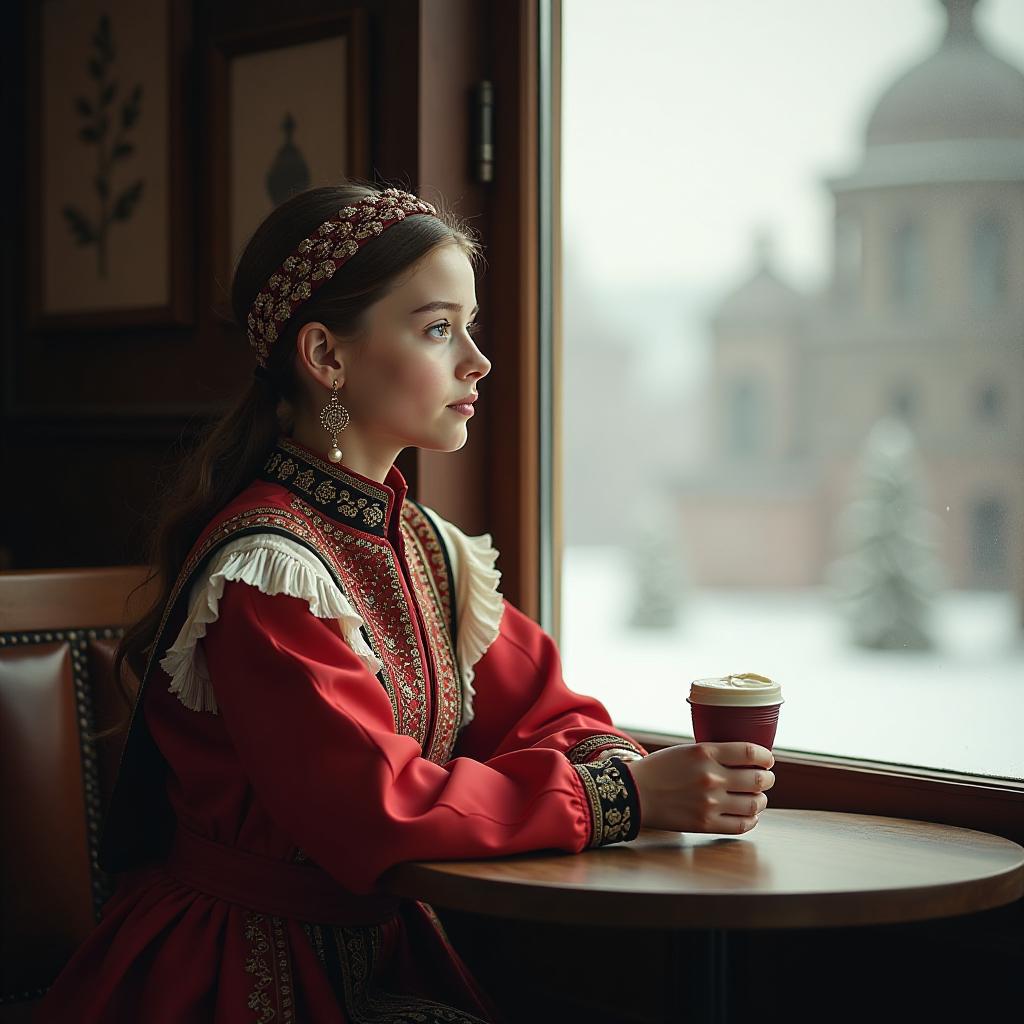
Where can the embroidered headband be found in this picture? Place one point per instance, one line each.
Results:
(316, 258)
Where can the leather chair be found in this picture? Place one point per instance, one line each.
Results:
(59, 629)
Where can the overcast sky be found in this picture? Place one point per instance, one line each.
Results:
(739, 107)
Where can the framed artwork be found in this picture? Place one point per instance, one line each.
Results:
(288, 111)
(109, 218)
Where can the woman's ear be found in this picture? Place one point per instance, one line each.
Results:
(319, 354)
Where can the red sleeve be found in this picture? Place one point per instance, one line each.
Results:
(314, 732)
(521, 701)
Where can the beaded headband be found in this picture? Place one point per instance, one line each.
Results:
(316, 258)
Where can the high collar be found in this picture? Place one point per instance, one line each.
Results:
(342, 494)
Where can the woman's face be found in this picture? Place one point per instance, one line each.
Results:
(416, 359)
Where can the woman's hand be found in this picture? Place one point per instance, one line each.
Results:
(691, 788)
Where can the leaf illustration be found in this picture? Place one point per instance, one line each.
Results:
(126, 201)
(80, 226)
(104, 116)
(130, 111)
(102, 38)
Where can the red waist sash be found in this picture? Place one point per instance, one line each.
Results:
(301, 891)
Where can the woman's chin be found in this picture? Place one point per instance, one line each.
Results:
(457, 439)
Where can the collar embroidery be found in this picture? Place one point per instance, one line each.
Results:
(347, 497)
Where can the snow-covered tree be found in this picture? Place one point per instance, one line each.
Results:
(657, 566)
(888, 573)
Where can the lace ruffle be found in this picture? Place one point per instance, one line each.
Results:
(277, 565)
(274, 565)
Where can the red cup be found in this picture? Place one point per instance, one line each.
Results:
(736, 717)
(722, 724)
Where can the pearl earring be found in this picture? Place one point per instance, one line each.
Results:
(334, 417)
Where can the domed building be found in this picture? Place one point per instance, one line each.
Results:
(923, 317)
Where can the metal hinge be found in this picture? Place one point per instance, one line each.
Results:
(482, 121)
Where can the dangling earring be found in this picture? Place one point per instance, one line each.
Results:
(334, 417)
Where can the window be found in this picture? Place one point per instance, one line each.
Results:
(848, 259)
(657, 227)
(990, 402)
(907, 266)
(747, 420)
(988, 262)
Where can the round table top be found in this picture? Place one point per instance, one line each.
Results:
(794, 869)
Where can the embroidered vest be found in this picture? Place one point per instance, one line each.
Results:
(391, 566)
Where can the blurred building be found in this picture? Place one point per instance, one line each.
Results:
(923, 316)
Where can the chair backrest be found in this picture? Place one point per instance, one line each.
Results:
(59, 629)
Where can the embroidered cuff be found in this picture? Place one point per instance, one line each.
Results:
(615, 745)
(614, 801)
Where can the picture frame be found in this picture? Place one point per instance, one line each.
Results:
(287, 110)
(110, 236)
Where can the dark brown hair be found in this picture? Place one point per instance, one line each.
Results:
(230, 452)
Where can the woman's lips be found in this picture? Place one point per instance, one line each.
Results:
(466, 410)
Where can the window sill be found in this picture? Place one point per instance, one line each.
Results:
(870, 787)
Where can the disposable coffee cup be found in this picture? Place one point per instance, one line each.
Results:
(741, 707)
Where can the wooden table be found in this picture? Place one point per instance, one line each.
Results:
(795, 869)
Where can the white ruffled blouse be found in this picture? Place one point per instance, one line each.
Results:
(278, 565)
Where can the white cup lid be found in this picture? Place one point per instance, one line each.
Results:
(747, 689)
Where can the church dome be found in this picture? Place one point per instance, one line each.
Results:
(961, 91)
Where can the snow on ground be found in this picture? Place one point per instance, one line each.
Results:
(959, 708)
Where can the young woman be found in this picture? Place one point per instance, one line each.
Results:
(332, 681)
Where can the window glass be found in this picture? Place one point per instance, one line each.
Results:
(783, 240)
(988, 267)
(907, 258)
(990, 400)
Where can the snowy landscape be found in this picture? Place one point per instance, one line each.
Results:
(958, 707)
(791, 418)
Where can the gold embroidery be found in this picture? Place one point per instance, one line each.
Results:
(318, 256)
(372, 581)
(390, 630)
(272, 997)
(367, 571)
(579, 752)
(282, 960)
(611, 803)
(369, 511)
(256, 965)
(431, 591)
(325, 492)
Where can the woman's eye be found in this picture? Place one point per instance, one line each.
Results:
(473, 328)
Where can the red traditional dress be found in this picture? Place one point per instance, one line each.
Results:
(337, 686)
